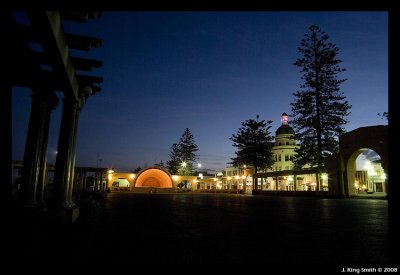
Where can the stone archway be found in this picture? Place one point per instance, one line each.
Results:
(154, 177)
(353, 143)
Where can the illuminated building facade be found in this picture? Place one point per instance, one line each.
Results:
(284, 147)
(337, 178)
(283, 152)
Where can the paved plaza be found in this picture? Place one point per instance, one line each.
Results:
(190, 228)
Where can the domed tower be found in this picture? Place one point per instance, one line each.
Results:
(285, 144)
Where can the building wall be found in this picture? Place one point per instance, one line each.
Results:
(284, 152)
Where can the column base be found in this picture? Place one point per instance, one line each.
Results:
(71, 214)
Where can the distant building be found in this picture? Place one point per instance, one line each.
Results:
(283, 151)
(371, 180)
(284, 147)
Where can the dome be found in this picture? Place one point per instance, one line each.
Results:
(284, 130)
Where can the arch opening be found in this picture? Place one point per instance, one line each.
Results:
(365, 173)
(155, 178)
(120, 182)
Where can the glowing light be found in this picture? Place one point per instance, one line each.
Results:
(215, 179)
(383, 176)
(243, 177)
(201, 175)
(244, 166)
(284, 119)
(199, 165)
(175, 177)
(229, 178)
(195, 181)
(370, 168)
(184, 164)
(237, 177)
(290, 178)
(154, 177)
(324, 176)
(110, 177)
(132, 176)
(110, 171)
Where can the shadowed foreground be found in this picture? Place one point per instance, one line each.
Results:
(210, 228)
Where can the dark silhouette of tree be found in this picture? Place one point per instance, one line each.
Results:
(384, 115)
(175, 160)
(320, 109)
(137, 170)
(254, 144)
(183, 155)
(160, 164)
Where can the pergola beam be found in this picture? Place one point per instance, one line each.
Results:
(82, 42)
(74, 41)
(79, 63)
(79, 16)
(48, 27)
(53, 83)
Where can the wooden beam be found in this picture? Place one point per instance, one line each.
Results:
(74, 41)
(22, 67)
(52, 82)
(82, 42)
(79, 16)
(86, 80)
(79, 63)
(48, 27)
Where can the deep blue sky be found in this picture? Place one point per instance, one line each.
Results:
(208, 71)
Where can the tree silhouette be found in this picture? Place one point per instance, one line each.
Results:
(320, 109)
(183, 155)
(254, 145)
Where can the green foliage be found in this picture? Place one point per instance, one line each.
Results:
(320, 109)
(254, 144)
(183, 155)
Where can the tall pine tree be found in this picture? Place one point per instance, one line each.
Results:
(320, 109)
(174, 161)
(183, 155)
(254, 144)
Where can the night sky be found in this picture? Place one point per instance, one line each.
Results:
(207, 71)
